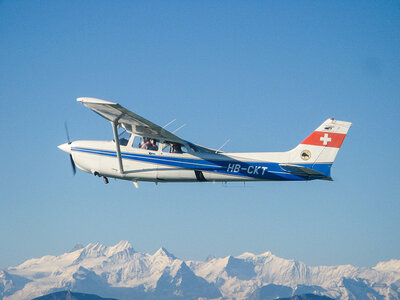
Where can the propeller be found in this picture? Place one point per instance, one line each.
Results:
(69, 142)
(67, 132)
(72, 164)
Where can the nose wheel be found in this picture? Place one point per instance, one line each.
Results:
(105, 180)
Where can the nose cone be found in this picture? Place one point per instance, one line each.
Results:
(65, 147)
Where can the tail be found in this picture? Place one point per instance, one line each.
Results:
(317, 152)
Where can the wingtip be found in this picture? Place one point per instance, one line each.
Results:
(93, 100)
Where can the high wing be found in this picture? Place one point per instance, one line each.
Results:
(128, 120)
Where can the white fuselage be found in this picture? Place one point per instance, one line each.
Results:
(145, 151)
(99, 157)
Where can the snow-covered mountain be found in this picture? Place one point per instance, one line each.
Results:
(121, 272)
(243, 275)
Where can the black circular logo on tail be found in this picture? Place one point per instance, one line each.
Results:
(305, 155)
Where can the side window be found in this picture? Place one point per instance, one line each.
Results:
(166, 148)
(137, 142)
(174, 148)
(182, 149)
(145, 143)
(193, 147)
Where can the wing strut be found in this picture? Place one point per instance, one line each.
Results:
(115, 130)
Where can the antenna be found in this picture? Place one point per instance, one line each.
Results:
(227, 141)
(236, 185)
(179, 128)
(169, 123)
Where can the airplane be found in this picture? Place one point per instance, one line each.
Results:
(145, 151)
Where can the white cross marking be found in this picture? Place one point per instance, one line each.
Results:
(325, 139)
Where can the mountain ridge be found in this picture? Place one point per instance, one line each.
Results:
(121, 272)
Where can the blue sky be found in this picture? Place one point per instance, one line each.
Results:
(264, 74)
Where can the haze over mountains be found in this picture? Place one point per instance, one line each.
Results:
(120, 272)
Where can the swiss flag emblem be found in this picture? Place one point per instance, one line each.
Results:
(325, 139)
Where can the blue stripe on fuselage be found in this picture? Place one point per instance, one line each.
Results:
(228, 166)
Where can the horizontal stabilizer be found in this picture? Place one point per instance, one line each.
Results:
(304, 172)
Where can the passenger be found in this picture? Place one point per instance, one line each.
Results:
(153, 146)
(149, 144)
(145, 144)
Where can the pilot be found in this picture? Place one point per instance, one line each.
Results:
(176, 148)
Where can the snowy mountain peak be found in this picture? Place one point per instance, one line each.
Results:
(164, 252)
(210, 257)
(122, 246)
(392, 265)
(266, 253)
(249, 255)
(95, 248)
(245, 255)
(76, 247)
(122, 249)
(92, 250)
(120, 272)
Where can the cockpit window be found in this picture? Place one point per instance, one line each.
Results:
(170, 147)
(145, 143)
(137, 142)
(124, 137)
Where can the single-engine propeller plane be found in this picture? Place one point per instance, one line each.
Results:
(145, 151)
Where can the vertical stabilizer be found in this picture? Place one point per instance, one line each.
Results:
(322, 146)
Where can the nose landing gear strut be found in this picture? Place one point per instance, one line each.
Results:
(104, 177)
